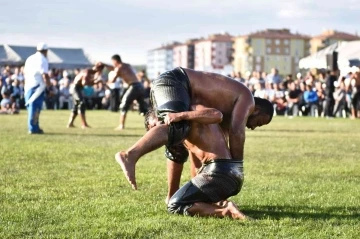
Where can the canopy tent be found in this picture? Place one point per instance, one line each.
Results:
(65, 58)
(348, 55)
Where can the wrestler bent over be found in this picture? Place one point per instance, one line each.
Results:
(219, 178)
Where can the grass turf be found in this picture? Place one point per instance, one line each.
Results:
(301, 181)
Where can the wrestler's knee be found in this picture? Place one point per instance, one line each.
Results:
(175, 207)
(177, 153)
(178, 132)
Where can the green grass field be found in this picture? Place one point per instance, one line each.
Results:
(302, 180)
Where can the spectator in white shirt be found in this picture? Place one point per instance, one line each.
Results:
(36, 77)
(114, 92)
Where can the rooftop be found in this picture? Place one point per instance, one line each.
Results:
(330, 33)
(277, 33)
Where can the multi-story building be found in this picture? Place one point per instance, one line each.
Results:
(329, 37)
(160, 60)
(184, 54)
(213, 53)
(270, 48)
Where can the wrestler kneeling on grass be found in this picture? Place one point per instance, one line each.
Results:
(220, 176)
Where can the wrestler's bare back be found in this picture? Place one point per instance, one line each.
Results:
(220, 93)
(127, 73)
(207, 142)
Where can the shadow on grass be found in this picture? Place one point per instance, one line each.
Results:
(97, 135)
(303, 212)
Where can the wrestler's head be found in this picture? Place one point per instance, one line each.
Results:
(262, 114)
(151, 120)
(116, 60)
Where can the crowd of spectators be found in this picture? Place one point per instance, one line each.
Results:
(321, 95)
(58, 95)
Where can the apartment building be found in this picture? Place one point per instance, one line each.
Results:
(213, 53)
(160, 60)
(184, 54)
(263, 50)
(329, 37)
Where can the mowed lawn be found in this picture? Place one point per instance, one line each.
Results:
(302, 180)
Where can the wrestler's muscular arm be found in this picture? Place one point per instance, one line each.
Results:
(243, 107)
(200, 114)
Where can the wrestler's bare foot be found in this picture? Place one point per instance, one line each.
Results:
(235, 212)
(120, 127)
(127, 167)
(70, 126)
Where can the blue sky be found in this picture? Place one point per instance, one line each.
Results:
(131, 27)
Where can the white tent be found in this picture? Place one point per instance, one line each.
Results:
(65, 58)
(348, 55)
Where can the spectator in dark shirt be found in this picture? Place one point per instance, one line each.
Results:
(329, 93)
(321, 97)
(293, 99)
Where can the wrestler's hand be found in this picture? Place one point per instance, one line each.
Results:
(172, 118)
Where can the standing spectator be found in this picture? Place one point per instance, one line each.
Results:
(64, 93)
(114, 86)
(355, 109)
(329, 93)
(274, 76)
(339, 97)
(36, 76)
(293, 99)
(321, 97)
(147, 89)
(311, 100)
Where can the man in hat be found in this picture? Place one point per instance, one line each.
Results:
(36, 80)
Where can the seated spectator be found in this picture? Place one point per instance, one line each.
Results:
(8, 105)
(255, 78)
(99, 94)
(279, 100)
(259, 91)
(7, 87)
(311, 100)
(340, 98)
(274, 77)
(293, 99)
(321, 97)
(51, 95)
(270, 92)
(64, 93)
(287, 80)
(18, 75)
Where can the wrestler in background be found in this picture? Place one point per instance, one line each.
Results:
(85, 77)
(134, 91)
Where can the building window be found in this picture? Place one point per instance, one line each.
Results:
(296, 52)
(268, 41)
(267, 58)
(286, 42)
(277, 42)
(297, 59)
(277, 50)
(268, 50)
(258, 59)
(287, 50)
(219, 62)
(285, 59)
(258, 67)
